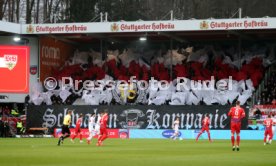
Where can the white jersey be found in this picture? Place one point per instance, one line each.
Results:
(91, 128)
(91, 123)
(176, 125)
(97, 126)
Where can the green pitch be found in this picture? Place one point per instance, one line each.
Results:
(133, 152)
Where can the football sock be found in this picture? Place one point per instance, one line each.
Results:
(80, 136)
(103, 137)
(209, 137)
(198, 135)
(233, 140)
(238, 140)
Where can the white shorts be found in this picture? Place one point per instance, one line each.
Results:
(91, 129)
(176, 130)
(97, 129)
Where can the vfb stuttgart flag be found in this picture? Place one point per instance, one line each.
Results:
(14, 69)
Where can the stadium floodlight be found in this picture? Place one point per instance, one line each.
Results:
(16, 39)
(20, 40)
(143, 38)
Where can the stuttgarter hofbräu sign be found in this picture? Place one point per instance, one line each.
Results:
(141, 26)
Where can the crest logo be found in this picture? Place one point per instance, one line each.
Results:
(10, 61)
(114, 27)
(33, 70)
(30, 29)
(204, 25)
(132, 119)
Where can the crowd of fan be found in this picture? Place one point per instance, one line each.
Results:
(268, 95)
(8, 116)
(192, 63)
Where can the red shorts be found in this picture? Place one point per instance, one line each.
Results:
(77, 130)
(235, 128)
(205, 129)
(268, 132)
(103, 131)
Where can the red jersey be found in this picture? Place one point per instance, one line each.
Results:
(103, 121)
(79, 121)
(206, 122)
(236, 113)
(268, 124)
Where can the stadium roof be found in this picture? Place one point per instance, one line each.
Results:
(180, 30)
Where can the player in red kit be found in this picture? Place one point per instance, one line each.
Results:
(103, 128)
(236, 113)
(205, 127)
(268, 122)
(78, 129)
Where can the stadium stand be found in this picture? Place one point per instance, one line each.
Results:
(268, 95)
(196, 64)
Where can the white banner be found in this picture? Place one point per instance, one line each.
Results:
(141, 26)
(151, 26)
(10, 27)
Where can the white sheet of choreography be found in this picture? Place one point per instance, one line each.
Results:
(245, 96)
(178, 98)
(64, 94)
(192, 99)
(35, 92)
(249, 84)
(47, 97)
(80, 57)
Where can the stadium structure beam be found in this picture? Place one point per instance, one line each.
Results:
(173, 37)
(98, 36)
(64, 39)
(105, 37)
(242, 35)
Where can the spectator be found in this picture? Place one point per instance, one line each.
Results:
(19, 126)
(6, 129)
(14, 112)
(6, 111)
(258, 114)
(268, 95)
(1, 128)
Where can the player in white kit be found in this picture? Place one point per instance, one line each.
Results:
(176, 129)
(91, 127)
(97, 126)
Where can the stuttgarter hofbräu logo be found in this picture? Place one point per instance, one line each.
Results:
(30, 29)
(204, 25)
(114, 27)
(8, 61)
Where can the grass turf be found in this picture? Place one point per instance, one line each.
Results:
(132, 152)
